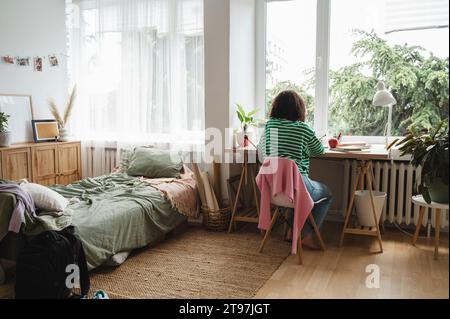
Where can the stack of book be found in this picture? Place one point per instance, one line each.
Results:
(352, 147)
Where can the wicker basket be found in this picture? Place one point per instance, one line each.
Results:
(216, 220)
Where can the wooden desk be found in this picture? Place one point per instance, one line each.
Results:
(364, 172)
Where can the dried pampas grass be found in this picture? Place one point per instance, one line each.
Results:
(62, 120)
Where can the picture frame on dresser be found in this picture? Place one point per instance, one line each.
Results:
(45, 130)
(19, 108)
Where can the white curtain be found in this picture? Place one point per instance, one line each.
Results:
(138, 67)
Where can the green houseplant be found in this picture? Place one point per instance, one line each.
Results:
(247, 119)
(429, 150)
(5, 135)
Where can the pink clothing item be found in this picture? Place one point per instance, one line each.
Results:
(279, 175)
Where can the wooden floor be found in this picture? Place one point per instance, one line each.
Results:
(405, 271)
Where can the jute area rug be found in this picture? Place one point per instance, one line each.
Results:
(195, 263)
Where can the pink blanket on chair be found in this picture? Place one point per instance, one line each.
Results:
(281, 176)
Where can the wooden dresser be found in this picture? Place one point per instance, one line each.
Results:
(43, 163)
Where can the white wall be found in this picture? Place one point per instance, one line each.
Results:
(34, 28)
(217, 70)
(230, 66)
(242, 56)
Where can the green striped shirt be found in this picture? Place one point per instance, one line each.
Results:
(293, 140)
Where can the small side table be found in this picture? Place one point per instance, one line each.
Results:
(418, 200)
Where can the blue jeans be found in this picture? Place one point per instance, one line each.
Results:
(318, 191)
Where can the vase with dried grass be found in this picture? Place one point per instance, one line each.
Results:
(64, 134)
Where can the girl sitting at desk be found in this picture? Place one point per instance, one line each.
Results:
(298, 142)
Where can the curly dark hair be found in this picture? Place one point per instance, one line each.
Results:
(288, 105)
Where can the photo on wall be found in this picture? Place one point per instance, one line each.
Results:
(38, 64)
(23, 61)
(8, 59)
(53, 60)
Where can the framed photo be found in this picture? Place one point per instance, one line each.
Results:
(19, 107)
(45, 130)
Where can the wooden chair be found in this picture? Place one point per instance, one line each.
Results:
(282, 202)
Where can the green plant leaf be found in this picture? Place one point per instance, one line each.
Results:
(253, 112)
(241, 119)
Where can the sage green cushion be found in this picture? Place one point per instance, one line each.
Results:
(154, 163)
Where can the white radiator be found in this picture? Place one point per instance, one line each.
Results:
(98, 161)
(398, 181)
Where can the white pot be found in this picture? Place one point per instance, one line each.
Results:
(363, 206)
(5, 139)
(64, 135)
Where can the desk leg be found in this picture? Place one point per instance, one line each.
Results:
(369, 183)
(374, 187)
(238, 192)
(356, 182)
(437, 231)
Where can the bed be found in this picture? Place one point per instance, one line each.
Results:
(113, 213)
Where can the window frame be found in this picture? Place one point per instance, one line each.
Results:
(321, 112)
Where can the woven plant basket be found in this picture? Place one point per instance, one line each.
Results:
(216, 220)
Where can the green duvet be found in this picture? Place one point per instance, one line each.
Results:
(116, 212)
(112, 213)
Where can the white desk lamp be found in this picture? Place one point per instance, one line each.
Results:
(384, 98)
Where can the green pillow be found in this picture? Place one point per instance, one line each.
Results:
(154, 163)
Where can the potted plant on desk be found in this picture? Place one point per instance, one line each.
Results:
(429, 150)
(5, 135)
(247, 119)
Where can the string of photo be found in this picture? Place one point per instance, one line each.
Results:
(38, 61)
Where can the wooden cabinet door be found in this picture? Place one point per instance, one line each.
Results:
(45, 164)
(16, 163)
(69, 163)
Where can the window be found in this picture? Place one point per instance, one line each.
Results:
(402, 42)
(138, 66)
(290, 50)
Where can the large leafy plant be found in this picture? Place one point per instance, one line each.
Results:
(429, 150)
(3, 122)
(246, 119)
